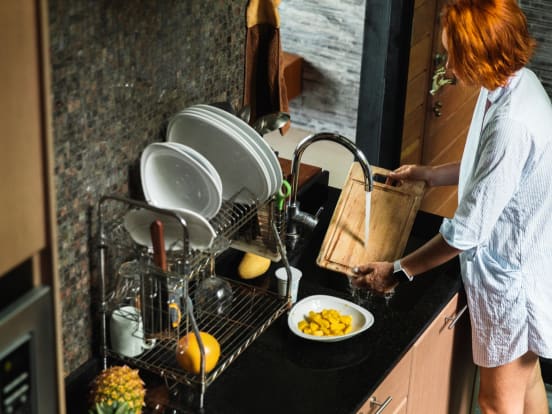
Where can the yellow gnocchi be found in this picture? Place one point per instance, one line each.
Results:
(328, 322)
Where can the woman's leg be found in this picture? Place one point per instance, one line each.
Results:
(535, 395)
(513, 388)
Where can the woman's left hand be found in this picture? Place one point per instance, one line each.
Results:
(376, 276)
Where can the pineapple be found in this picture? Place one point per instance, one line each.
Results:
(117, 390)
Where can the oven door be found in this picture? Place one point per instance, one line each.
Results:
(27, 355)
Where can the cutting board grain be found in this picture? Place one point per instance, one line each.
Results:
(393, 209)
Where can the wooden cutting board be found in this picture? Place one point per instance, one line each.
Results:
(393, 210)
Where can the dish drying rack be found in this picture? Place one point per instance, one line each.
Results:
(259, 228)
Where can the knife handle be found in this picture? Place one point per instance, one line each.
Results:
(158, 243)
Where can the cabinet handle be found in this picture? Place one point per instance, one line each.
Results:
(453, 319)
(382, 405)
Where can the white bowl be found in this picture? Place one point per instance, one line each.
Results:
(362, 318)
(174, 179)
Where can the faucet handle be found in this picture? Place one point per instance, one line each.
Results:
(317, 214)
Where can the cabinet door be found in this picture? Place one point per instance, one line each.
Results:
(391, 396)
(442, 369)
(22, 198)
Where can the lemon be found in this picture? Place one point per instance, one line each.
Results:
(252, 266)
(188, 354)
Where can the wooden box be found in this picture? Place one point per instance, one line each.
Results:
(293, 74)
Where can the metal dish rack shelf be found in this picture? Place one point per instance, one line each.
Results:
(259, 227)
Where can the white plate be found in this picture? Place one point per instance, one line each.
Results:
(255, 138)
(238, 165)
(174, 179)
(201, 159)
(201, 233)
(362, 318)
(265, 165)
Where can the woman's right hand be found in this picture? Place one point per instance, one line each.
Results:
(413, 172)
(433, 175)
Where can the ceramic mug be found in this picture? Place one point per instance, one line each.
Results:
(127, 332)
(282, 276)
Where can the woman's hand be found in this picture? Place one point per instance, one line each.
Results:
(445, 174)
(413, 172)
(376, 276)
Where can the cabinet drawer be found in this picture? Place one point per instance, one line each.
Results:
(392, 391)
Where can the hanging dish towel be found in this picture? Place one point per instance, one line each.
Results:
(264, 89)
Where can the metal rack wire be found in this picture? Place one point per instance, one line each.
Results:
(257, 227)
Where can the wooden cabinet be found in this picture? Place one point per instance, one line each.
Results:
(436, 375)
(442, 375)
(391, 396)
(27, 201)
(22, 199)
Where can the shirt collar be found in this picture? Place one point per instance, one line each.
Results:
(497, 93)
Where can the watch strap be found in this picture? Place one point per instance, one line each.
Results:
(397, 268)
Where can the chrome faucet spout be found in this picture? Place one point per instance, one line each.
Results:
(297, 216)
(326, 136)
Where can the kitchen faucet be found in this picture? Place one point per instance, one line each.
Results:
(295, 215)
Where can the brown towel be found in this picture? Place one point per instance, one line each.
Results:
(264, 89)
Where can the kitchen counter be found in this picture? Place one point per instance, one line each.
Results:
(281, 372)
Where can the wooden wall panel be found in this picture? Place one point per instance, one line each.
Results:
(420, 55)
(418, 80)
(413, 136)
(435, 139)
(416, 94)
(424, 13)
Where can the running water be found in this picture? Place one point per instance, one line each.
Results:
(367, 217)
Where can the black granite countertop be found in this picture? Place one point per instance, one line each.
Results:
(282, 373)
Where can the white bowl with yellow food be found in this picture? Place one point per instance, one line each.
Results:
(326, 318)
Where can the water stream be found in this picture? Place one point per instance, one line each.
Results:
(367, 217)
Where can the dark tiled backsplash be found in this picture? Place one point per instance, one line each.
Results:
(120, 69)
(539, 13)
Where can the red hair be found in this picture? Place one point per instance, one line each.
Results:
(487, 40)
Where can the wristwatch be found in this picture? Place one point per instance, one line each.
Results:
(400, 273)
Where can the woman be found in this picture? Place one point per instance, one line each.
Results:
(502, 228)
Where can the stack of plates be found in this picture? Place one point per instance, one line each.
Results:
(211, 156)
(247, 166)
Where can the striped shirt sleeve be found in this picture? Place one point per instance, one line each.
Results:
(501, 156)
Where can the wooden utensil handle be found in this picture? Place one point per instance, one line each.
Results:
(158, 242)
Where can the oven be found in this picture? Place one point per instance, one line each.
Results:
(27, 354)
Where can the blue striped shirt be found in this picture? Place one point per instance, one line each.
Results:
(503, 222)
